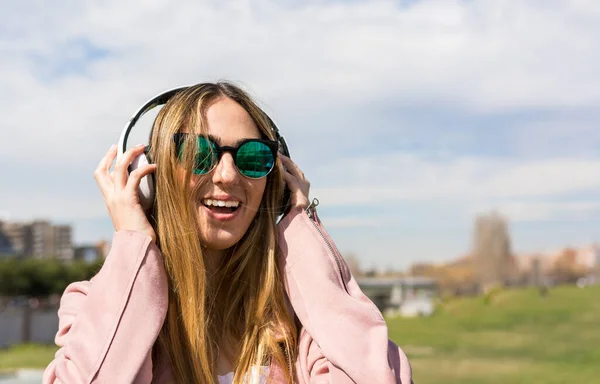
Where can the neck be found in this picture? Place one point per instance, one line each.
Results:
(213, 259)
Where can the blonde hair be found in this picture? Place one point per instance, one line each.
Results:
(243, 304)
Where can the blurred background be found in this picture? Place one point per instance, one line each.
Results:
(453, 146)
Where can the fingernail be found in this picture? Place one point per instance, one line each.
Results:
(112, 147)
(139, 145)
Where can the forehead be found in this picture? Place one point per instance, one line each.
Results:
(229, 122)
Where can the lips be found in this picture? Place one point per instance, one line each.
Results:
(222, 209)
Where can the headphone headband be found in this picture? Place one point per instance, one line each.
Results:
(154, 102)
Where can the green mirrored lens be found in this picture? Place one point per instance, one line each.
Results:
(206, 157)
(254, 159)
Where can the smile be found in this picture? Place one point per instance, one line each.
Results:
(222, 210)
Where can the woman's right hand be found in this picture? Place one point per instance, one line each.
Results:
(120, 190)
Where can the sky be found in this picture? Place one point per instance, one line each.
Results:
(409, 117)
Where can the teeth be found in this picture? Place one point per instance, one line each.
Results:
(221, 203)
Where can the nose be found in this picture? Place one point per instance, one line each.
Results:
(225, 173)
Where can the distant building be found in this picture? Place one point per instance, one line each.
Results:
(39, 239)
(6, 248)
(87, 253)
(390, 295)
(492, 250)
(15, 234)
(63, 245)
(587, 256)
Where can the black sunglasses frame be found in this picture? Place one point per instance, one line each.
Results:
(273, 145)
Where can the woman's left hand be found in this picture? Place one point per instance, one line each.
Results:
(296, 182)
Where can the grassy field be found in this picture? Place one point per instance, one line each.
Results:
(518, 337)
(26, 356)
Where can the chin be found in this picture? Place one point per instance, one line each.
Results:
(223, 235)
(221, 240)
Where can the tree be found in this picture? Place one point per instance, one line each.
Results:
(41, 277)
(566, 268)
(454, 278)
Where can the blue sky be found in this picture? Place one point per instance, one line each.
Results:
(408, 117)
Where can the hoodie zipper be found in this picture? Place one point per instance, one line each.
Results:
(311, 211)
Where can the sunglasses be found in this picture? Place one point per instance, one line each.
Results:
(253, 158)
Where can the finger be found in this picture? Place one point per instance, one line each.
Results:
(106, 161)
(298, 196)
(105, 185)
(136, 176)
(302, 185)
(291, 166)
(291, 181)
(101, 173)
(110, 158)
(121, 173)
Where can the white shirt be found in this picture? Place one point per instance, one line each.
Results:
(261, 372)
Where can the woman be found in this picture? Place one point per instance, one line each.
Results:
(212, 289)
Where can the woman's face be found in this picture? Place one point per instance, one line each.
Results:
(222, 227)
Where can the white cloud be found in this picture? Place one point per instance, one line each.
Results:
(357, 222)
(300, 61)
(68, 206)
(407, 177)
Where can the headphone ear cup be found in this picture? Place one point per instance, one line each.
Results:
(146, 188)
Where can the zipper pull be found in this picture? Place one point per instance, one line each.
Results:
(310, 210)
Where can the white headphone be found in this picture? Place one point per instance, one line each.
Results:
(146, 190)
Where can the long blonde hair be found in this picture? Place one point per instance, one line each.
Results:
(243, 304)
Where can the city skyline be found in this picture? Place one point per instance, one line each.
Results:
(43, 239)
(587, 255)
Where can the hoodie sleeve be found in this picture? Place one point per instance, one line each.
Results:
(344, 337)
(108, 325)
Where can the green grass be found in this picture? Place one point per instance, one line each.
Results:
(519, 337)
(26, 356)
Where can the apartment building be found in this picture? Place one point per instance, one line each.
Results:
(39, 239)
(15, 235)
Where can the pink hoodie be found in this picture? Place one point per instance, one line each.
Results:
(108, 325)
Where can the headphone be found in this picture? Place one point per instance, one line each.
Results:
(146, 189)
